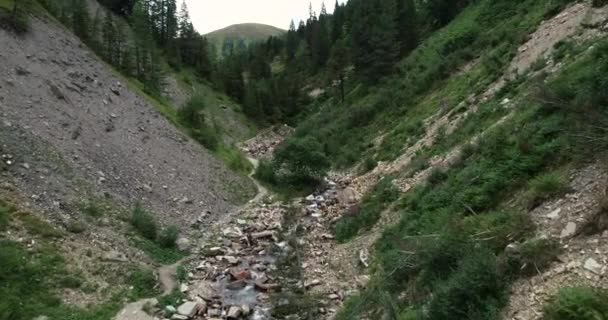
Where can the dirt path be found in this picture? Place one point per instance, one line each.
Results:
(262, 191)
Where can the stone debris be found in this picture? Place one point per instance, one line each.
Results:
(262, 145)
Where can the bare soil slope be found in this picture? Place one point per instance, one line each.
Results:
(56, 91)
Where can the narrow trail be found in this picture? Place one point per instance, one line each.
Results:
(262, 191)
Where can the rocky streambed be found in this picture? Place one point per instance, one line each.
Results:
(253, 266)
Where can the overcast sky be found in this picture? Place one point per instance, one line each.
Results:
(210, 15)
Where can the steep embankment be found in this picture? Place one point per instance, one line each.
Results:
(80, 147)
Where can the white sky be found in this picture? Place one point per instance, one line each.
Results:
(210, 15)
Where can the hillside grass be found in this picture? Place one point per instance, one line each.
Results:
(33, 277)
(445, 259)
(577, 303)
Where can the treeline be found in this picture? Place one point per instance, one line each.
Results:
(145, 32)
(366, 36)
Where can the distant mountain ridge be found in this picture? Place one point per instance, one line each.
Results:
(239, 36)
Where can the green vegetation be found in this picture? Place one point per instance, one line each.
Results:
(537, 254)
(544, 187)
(37, 226)
(371, 207)
(160, 246)
(168, 237)
(578, 303)
(298, 165)
(14, 14)
(4, 217)
(446, 258)
(191, 116)
(30, 279)
(93, 209)
(143, 222)
(143, 283)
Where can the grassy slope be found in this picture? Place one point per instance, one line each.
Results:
(429, 78)
(435, 260)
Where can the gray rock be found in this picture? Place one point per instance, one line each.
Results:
(593, 266)
(232, 232)
(554, 214)
(214, 312)
(205, 290)
(57, 92)
(234, 312)
(569, 230)
(188, 308)
(115, 256)
(183, 244)
(347, 196)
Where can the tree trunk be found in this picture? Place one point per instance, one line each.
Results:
(14, 13)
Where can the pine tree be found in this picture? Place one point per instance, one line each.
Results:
(320, 42)
(337, 23)
(292, 41)
(374, 36)
(80, 19)
(407, 26)
(95, 30)
(109, 39)
(337, 66)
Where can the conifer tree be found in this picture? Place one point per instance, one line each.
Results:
(109, 39)
(337, 66)
(292, 41)
(80, 19)
(407, 26)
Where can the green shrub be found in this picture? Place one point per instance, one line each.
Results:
(369, 164)
(15, 17)
(475, 291)
(37, 226)
(168, 237)
(419, 163)
(75, 226)
(578, 303)
(181, 273)
(544, 187)
(436, 176)
(537, 254)
(266, 172)
(301, 162)
(92, 209)
(156, 252)
(143, 222)
(143, 283)
(192, 116)
(172, 299)
(599, 3)
(71, 282)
